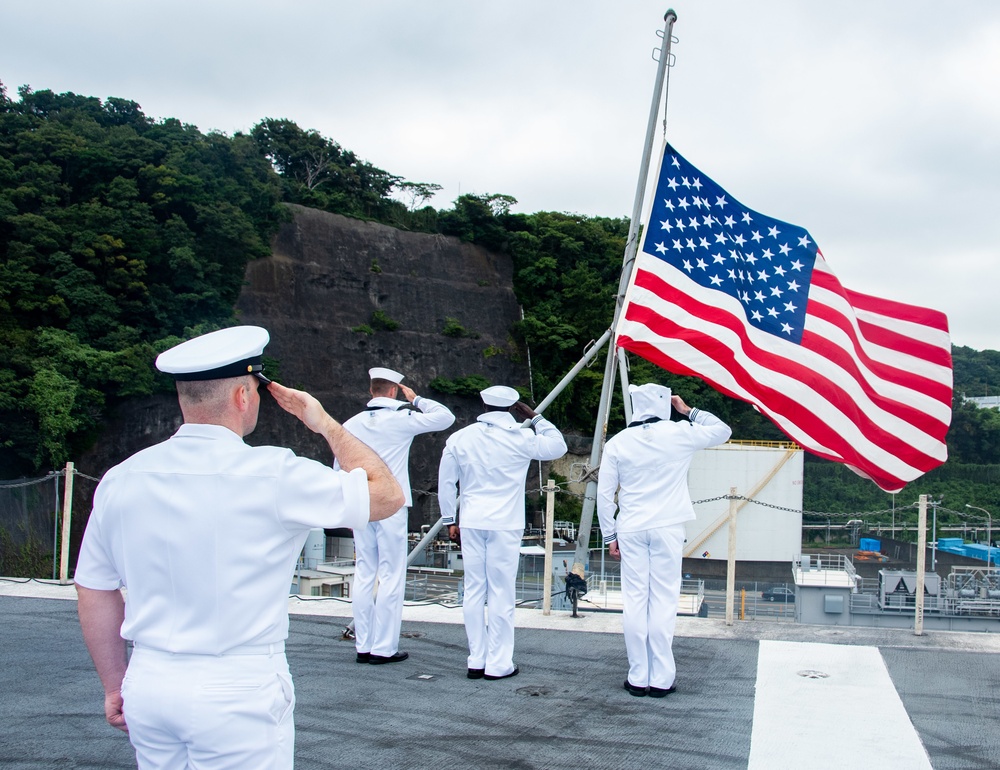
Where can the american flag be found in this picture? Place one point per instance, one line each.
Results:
(748, 304)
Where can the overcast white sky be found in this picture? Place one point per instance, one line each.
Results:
(873, 123)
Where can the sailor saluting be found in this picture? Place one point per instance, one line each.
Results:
(482, 474)
(203, 531)
(388, 425)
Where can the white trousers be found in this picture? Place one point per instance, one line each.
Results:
(489, 558)
(651, 589)
(379, 552)
(209, 712)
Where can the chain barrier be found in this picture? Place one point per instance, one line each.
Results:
(819, 514)
(43, 479)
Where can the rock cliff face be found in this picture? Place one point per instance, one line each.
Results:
(326, 278)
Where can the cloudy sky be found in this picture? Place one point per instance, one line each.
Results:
(873, 123)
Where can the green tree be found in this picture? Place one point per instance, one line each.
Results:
(116, 232)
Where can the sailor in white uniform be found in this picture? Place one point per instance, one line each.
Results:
(203, 532)
(482, 474)
(647, 465)
(388, 425)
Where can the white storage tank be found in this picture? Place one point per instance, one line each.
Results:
(767, 530)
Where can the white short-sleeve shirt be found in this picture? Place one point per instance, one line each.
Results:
(484, 465)
(389, 426)
(204, 530)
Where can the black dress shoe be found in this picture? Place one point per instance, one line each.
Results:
(363, 657)
(476, 673)
(396, 657)
(659, 692)
(492, 678)
(639, 692)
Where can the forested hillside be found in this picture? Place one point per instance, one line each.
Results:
(120, 233)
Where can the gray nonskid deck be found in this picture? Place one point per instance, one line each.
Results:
(566, 709)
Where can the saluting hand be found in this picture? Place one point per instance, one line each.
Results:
(408, 393)
(522, 410)
(303, 405)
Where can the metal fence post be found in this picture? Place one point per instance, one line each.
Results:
(550, 507)
(918, 610)
(67, 517)
(731, 560)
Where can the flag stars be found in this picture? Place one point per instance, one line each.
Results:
(726, 251)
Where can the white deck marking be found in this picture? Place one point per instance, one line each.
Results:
(850, 718)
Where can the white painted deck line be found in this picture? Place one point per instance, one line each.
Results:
(853, 718)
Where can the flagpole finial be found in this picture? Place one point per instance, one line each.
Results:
(670, 13)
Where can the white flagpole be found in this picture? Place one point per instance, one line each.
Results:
(631, 247)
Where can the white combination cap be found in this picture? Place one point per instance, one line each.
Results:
(380, 373)
(232, 352)
(500, 395)
(650, 400)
